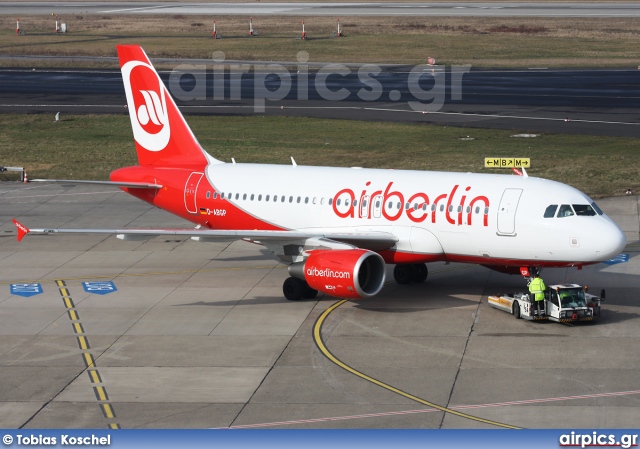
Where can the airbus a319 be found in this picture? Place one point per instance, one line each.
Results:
(337, 228)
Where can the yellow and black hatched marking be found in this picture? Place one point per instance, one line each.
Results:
(570, 320)
(89, 362)
(317, 336)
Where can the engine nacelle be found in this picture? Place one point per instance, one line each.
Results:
(344, 273)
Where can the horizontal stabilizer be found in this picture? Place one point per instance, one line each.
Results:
(128, 185)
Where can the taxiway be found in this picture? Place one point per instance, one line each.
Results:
(199, 335)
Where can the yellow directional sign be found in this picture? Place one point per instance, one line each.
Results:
(507, 162)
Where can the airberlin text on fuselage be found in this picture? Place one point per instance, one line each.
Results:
(418, 210)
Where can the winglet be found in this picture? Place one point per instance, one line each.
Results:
(22, 229)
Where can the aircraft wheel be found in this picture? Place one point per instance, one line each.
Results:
(516, 310)
(294, 288)
(404, 273)
(309, 293)
(420, 272)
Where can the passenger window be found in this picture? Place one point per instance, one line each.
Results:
(260, 197)
(398, 206)
(442, 208)
(565, 211)
(267, 198)
(244, 197)
(221, 195)
(584, 210)
(208, 195)
(486, 211)
(433, 208)
(321, 201)
(551, 211)
(338, 202)
(355, 203)
(424, 206)
(450, 208)
(291, 199)
(390, 205)
(252, 196)
(314, 200)
(346, 202)
(237, 195)
(306, 200)
(468, 209)
(282, 199)
(215, 195)
(330, 201)
(298, 200)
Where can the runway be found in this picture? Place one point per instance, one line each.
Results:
(464, 9)
(592, 102)
(199, 335)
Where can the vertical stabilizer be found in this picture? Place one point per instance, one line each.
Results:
(162, 136)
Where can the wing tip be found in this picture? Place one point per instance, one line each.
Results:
(22, 229)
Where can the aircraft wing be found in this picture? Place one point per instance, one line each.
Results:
(129, 185)
(375, 241)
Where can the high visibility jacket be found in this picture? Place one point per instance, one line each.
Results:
(537, 288)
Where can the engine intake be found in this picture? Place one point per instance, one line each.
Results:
(349, 273)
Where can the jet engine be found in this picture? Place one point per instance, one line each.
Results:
(348, 273)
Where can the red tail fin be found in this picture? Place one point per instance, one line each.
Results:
(163, 137)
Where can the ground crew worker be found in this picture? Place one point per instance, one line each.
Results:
(537, 288)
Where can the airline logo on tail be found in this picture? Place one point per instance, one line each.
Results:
(147, 105)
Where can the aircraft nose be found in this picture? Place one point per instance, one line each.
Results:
(612, 242)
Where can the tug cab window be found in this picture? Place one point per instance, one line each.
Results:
(571, 298)
(550, 212)
(553, 297)
(565, 211)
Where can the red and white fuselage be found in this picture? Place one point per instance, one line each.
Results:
(337, 227)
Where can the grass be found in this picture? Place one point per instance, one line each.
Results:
(91, 146)
(504, 42)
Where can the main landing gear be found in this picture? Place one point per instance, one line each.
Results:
(295, 289)
(408, 273)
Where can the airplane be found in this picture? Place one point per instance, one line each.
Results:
(337, 228)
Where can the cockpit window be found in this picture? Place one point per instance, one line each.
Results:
(565, 211)
(596, 208)
(584, 209)
(551, 211)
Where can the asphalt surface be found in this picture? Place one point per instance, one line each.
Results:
(470, 9)
(198, 335)
(593, 102)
